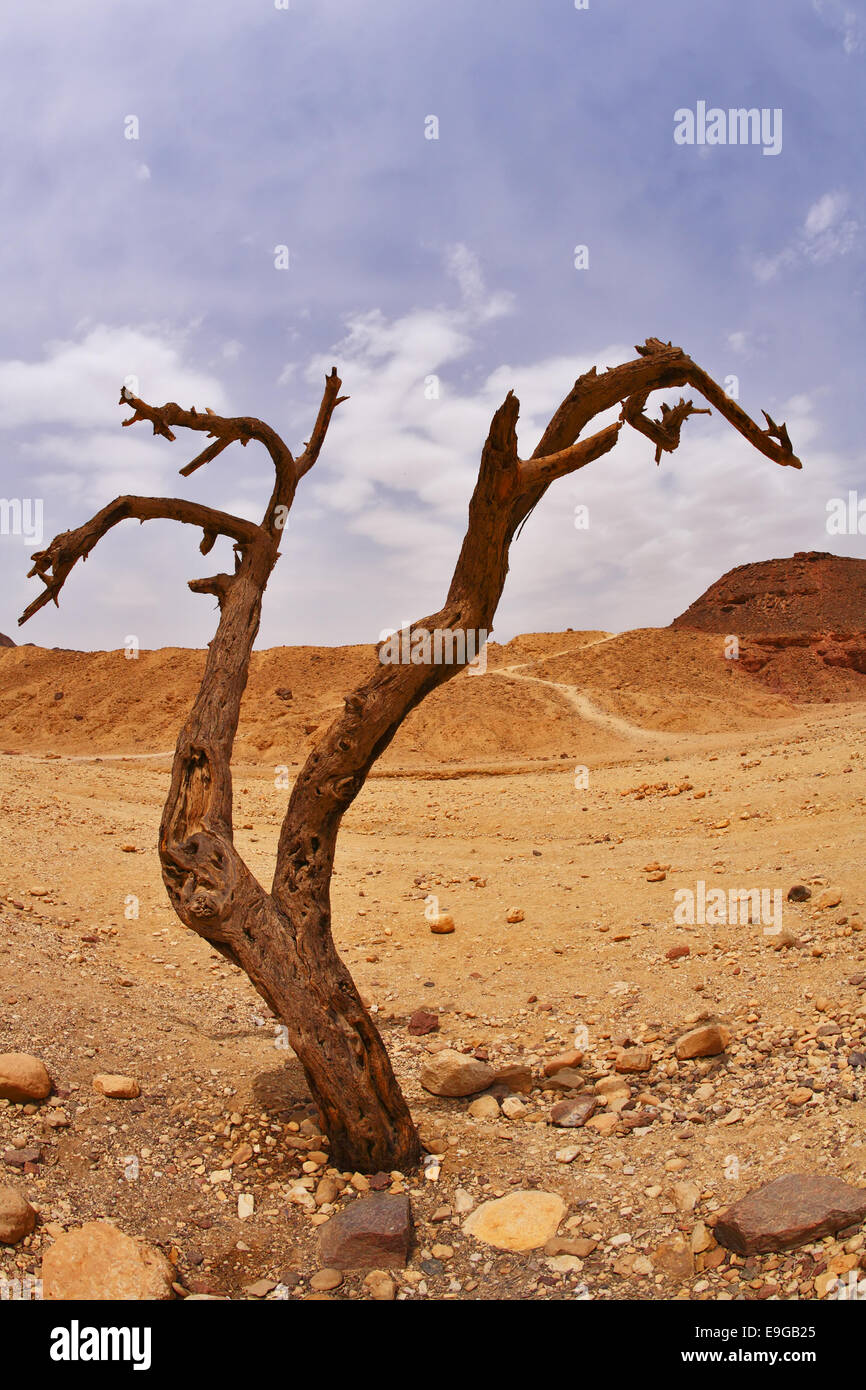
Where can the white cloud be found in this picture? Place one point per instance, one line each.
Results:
(826, 234)
(78, 383)
(845, 21)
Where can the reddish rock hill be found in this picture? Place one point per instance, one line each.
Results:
(811, 592)
(6, 641)
(801, 622)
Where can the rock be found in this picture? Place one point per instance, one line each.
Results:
(422, 1022)
(484, 1108)
(674, 1258)
(605, 1124)
(116, 1087)
(283, 692)
(799, 893)
(450, 1073)
(17, 1217)
(97, 1261)
(566, 1079)
(327, 1191)
(801, 1095)
(563, 1061)
(686, 1196)
(260, 1289)
(516, 1076)
(246, 1205)
(656, 876)
(326, 1279)
(567, 1155)
(701, 1239)
(524, 1220)
(785, 940)
(677, 953)
(612, 1086)
(514, 914)
(579, 1246)
(564, 1264)
(380, 1285)
(463, 1201)
(512, 1108)
(573, 1113)
(790, 1211)
(831, 897)
(634, 1059)
(23, 1078)
(20, 1158)
(373, 1233)
(441, 923)
(706, 1041)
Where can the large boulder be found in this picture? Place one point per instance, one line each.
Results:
(373, 1233)
(788, 1212)
(524, 1220)
(97, 1261)
(23, 1078)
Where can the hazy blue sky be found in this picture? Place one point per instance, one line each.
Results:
(411, 257)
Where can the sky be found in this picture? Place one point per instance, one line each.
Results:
(430, 170)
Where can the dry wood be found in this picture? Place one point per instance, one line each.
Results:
(282, 938)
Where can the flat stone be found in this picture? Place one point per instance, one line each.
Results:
(451, 1073)
(20, 1158)
(579, 1246)
(566, 1079)
(790, 1211)
(634, 1059)
(524, 1220)
(572, 1114)
(97, 1261)
(23, 1078)
(116, 1087)
(373, 1233)
(423, 1022)
(17, 1217)
(831, 897)
(706, 1041)
(561, 1061)
(674, 1258)
(260, 1289)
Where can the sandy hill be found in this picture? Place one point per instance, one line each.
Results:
(544, 697)
(584, 696)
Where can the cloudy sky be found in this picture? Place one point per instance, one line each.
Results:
(412, 258)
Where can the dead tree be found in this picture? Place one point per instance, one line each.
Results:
(282, 938)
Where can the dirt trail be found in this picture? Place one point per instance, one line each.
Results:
(579, 701)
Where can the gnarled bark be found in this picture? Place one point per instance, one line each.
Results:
(282, 938)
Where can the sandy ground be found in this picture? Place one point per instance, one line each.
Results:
(96, 974)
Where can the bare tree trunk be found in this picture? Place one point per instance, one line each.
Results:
(282, 939)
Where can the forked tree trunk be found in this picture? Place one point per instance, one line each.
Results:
(282, 939)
